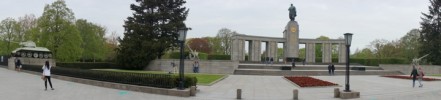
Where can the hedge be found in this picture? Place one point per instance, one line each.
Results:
(141, 79)
(89, 65)
(219, 57)
(203, 56)
(376, 62)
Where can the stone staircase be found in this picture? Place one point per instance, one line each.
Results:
(310, 70)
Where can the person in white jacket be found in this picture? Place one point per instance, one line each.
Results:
(47, 75)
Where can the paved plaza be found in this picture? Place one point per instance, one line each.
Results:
(24, 86)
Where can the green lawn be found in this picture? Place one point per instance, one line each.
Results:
(439, 75)
(203, 79)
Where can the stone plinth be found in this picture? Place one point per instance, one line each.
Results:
(349, 95)
(29, 61)
(291, 34)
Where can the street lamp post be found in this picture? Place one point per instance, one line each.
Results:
(348, 39)
(182, 34)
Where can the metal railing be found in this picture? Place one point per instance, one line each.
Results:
(141, 79)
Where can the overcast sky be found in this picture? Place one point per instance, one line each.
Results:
(367, 19)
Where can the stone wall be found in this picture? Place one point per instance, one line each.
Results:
(205, 66)
(29, 61)
(406, 69)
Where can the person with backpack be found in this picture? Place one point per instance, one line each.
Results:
(46, 76)
(414, 75)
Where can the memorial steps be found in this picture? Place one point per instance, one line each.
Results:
(310, 70)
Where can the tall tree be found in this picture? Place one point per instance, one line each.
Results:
(225, 35)
(111, 46)
(200, 45)
(377, 46)
(365, 53)
(93, 38)
(7, 32)
(58, 32)
(431, 33)
(216, 45)
(151, 31)
(410, 44)
(24, 26)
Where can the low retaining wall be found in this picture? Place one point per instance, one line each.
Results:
(145, 89)
(205, 66)
(407, 69)
(29, 61)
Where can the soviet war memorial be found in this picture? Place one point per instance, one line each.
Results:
(220, 50)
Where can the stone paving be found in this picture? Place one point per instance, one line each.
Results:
(24, 86)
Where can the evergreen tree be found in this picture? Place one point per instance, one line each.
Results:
(431, 33)
(151, 31)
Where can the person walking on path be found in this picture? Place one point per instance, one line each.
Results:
(47, 75)
(17, 65)
(196, 67)
(414, 75)
(420, 76)
(332, 69)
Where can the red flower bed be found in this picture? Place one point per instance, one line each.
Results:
(410, 78)
(305, 81)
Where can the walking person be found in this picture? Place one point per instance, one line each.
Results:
(332, 69)
(196, 67)
(420, 76)
(414, 75)
(47, 75)
(18, 65)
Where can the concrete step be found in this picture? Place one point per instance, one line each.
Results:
(276, 72)
(300, 67)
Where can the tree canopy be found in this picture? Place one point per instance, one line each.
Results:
(150, 31)
(431, 33)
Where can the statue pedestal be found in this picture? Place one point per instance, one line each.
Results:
(291, 34)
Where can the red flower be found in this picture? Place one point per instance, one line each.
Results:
(306, 81)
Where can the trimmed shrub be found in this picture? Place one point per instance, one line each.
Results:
(89, 65)
(376, 62)
(177, 55)
(203, 56)
(141, 79)
(221, 57)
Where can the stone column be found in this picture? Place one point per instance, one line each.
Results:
(242, 43)
(255, 50)
(310, 52)
(235, 49)
(292, 40)
(272, 49)
(238, 50)
(341, 53)
(327, 53)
